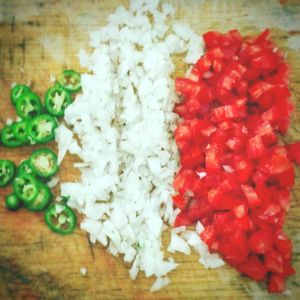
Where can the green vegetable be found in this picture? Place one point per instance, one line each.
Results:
(60, 219)
(8, 138)
(12, 202)
(7, 172)
(57, 99)
(29, 105)
(70, 80)
(24, 167)
(41, 128)
(17, 91)
(20, 132)
(43, 162)
(25, 187)
(42, 200)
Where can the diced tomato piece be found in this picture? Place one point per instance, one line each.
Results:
(287, 178)
(283, 245)
(192, 158)
(256, 147)
(294, 152)
(243, 170)
(261, 242)
(276, 283)
(208, 235)
(254, 268)
(275, 164)
(274, 262)
(212, 159)
(258, 89)
(251, 196)
(284, 199)
(180, 201)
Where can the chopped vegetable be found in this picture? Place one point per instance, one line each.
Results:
(7, 172)
(25, 187)
(12, 202)
(24, 167)
(61, 219)
(41, 128)
(8, 138)
(42, 200)
(70, 80)
(234, 102)
(57, 99)
(28, 105)
(43, 162)
(20, 132)
(17, 91)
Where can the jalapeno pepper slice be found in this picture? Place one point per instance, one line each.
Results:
(43, 162)
(41, 128)
(7, 171)
(29, 105)
(70, 80)
(12, 202)
(25, 187)
(20, 132)
(42, 200)
(17, 91)
(8, 138)
(24, 168)
(60, 218)
(57, 100)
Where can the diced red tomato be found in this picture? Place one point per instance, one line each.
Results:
(234, 178)
(276, 284)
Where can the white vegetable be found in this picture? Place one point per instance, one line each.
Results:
(124, 123)
(159, 283)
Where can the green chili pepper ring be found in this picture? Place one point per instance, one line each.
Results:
(7, 171)
(25, 187)
(42, 199)
(8, 138)
(70, 80)
(29, 105)
(57, 100)
(17, 91)
(43, 162)
(60, 219)
(41, 128)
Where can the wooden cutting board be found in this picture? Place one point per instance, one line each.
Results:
(39, 38)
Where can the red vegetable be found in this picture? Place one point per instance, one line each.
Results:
(233, 176)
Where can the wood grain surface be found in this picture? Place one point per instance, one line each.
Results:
(39, 38)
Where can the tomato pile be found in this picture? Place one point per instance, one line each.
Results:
(235, 176)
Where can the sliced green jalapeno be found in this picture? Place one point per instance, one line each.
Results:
(41, 128)
(17, 91)
(12, 202)
(70, 80)
(29, 105)
(60, 218)
(8, 138)
(7, 172)
(57, 100)
(25, 187)
(20, 132)
(24, 168)
(43, 162)
(42, 200)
